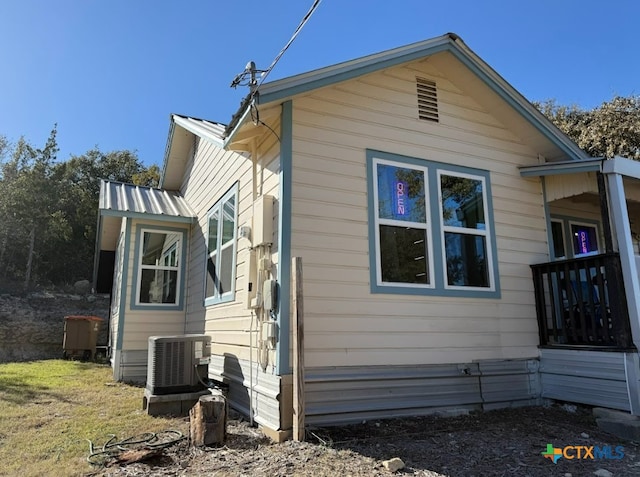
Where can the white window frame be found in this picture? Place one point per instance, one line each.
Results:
(584, 224)
(486, 232)
(177, 246)
(564, 240)
(403, 223)
(219, 207)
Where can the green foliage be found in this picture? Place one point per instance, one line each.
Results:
(609, 130)
(48, 209)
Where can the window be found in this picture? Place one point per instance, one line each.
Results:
(574, 237)
(159, 267)
(462, 214)
(418, 207)
(221, 249)
(584, 238)
(403, 225)
(557, 235)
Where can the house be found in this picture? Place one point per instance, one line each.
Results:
(459, 251)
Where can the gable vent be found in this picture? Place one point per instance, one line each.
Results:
(427, 99)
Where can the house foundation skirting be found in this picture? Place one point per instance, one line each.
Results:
(596, 378)
(268, 400)
(351, 394)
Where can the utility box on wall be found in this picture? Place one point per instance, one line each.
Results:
(262, 221)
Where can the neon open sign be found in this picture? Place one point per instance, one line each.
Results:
(401, 191)
(583, 240)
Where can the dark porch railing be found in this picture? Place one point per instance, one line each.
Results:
(582, 303)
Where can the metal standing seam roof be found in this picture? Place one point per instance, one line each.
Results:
(202, 127)
(118, 198)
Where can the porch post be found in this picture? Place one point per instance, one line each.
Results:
(622, 228)
(620, 216)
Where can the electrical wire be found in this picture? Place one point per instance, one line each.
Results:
(303, 22)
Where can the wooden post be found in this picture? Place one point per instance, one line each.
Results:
(298, 350)
(208, 420)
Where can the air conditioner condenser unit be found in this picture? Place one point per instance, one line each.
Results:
(177, 364)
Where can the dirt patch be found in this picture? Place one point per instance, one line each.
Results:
(498, 443)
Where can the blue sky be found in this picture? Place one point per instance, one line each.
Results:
(110, 72)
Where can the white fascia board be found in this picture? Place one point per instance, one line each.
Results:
(623, 166)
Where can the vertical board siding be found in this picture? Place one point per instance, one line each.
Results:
(589, 377)
(347, 325)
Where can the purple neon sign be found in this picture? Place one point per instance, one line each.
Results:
(400, 198)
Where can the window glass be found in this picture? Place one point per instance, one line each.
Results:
(213, 231)
(557, 233)
(401, 193)
(585, 239)
(403, 255)
(220, 270)
(462, 202)
(228, 220)
(466, 257)
(159, 268)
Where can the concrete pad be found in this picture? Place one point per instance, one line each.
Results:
(625, 429)
(170, 404)
(614, 415)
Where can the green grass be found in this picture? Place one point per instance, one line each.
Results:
(48, 410)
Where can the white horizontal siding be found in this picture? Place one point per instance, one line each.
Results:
(345, 323)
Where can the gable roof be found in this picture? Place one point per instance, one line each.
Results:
(179, 141)
(280, 90)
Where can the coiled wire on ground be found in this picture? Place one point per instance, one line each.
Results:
(146, 441)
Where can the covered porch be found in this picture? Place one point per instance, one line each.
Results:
(587, 294)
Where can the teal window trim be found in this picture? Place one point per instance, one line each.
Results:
(229, 295)
(437, 284)
(137, 269)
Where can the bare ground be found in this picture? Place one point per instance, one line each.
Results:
(497, 443)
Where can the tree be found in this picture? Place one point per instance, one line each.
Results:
(48, 209)
(609, 130)
(29, 201)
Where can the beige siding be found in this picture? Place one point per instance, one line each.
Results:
(211, 174)
(347, 325)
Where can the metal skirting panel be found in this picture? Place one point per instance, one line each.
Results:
(588, 377)
(350, 394)
(266, 389)
(133, 366)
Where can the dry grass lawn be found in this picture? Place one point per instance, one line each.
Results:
(48, 410)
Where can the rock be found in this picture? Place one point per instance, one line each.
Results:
(568, 474)
(585, 435)
(570, 408)
(603, 473)
(91, 298)
(393, 465)
(82, 287)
